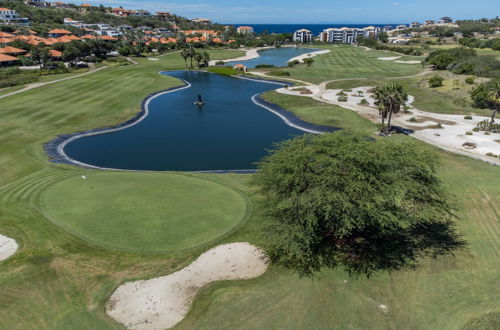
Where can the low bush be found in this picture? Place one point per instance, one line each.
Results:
(279, 73)
(470, 80)
(264, 66)
(219, 63)
(364, 102)
(436, 81)
(343, 98)
(413, 120)
(469, 133)
(468, 117)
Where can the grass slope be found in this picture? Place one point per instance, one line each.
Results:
(150, 212)
(57, 281)
(351, 62)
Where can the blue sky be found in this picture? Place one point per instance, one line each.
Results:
(316, 11)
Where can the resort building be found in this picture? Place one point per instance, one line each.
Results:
(302, 36)
(348, 35)
(446, 20)
(415, 25)
(201, 20)
(72, 22)
(56, 33)
(121, 12)
(141, 13)
(9, 16)
(429, 22)
(7, 60)
(244, 30)
(164, 16)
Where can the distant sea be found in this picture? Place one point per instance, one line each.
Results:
(314, 28)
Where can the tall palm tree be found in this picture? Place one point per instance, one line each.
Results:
(494, 99)
(198, 57)
(206, 58)
(192, 54)
(185, 55)
(390, 99)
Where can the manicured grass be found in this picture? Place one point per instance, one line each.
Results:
(351, 62)
(150, 212)
(57, 281)
(321, 113)
(446, 99)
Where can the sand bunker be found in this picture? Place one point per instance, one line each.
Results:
(388, 58)
(408, 62)
(162, 302)
(8, 247)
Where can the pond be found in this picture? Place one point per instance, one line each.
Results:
(275, 56)
(230, 132)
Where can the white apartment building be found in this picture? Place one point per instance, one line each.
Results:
(10, 16)
(303, 36)
(348, 35)
(244, 30)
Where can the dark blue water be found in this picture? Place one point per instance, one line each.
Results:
(275, 56)
(314, 28)
(230, 133)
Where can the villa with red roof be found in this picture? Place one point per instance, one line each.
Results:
(244, 30)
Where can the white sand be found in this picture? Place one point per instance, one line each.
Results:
(250, 55)
(153, 59)
(450, 137)
(162, 302)
(408, 62)
(8, 247)
(301, 58)
(388, 58)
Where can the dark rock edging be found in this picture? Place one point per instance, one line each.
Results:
(53, 148)
(291, 119)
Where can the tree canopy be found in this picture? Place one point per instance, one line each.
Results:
(343, 199)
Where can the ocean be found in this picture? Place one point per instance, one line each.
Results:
(314, 28)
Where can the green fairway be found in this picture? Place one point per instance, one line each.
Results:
(143, 212)
(352, 62)
(59, 281)
(321, 113)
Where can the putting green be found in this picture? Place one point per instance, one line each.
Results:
(143, 212)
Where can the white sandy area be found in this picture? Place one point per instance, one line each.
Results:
(153, 59)
(301, 58)
(8, 247)
(408, 62)
(450, 137)
(250, 55)
(162, 302)
(388, 58)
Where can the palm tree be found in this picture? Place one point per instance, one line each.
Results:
(192, 54)
(198, 57)
(206, 58)
(390, 99)
(185, 55)
(494, 98)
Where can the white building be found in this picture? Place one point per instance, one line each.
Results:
(415, 25)
(348, 35)
(244, 30)
(9, 16)
(303, 36)
(72, 22)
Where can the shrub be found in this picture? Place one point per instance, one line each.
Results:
(413, 119)
(363, 102)
(263, 66)
(291, 64)
(91, 59)
(490, 154)
(219, 63)
(468, 117)
(343, 98)
(469, 145)
(436, 81)
(279, 73)
(469, 133)
(470, 80)
(487, 126)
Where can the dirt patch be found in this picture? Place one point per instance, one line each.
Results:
(423, 119)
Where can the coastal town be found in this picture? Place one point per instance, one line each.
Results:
(162, 168)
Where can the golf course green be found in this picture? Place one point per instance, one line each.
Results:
(150, 212)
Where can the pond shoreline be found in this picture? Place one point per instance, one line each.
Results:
(55, 148)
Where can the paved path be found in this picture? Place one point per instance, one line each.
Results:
(36, 85)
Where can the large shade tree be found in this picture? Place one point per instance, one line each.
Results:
(343, 199)
(487, 96)
(390, 100)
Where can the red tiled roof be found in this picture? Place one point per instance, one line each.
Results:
(11, 50)
(59, 31)
(5, 35)
(110, 38)
(7, 58)
(55, 53)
